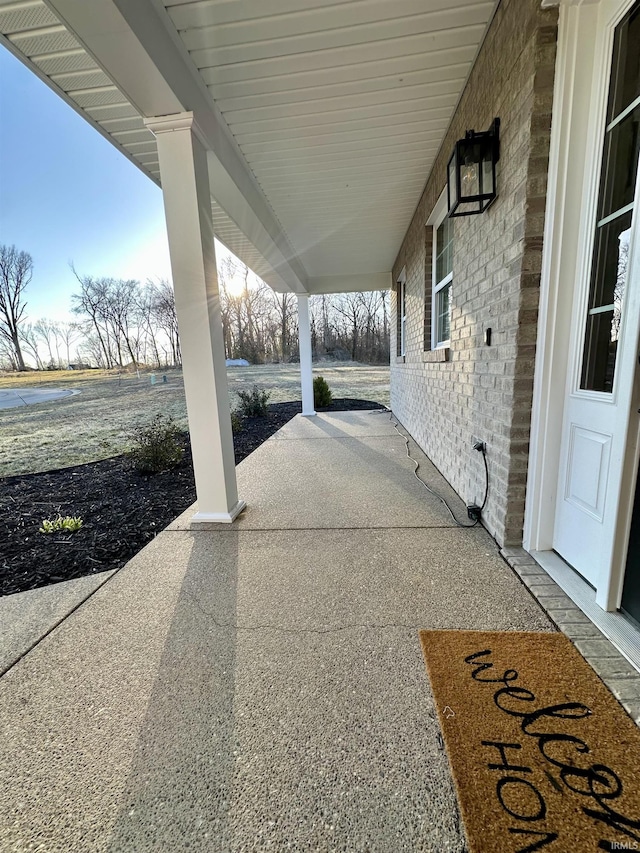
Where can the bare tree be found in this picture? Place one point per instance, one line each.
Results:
(166, 318)
(257, 323)
(112, 307)
(121, 305)
(374, 341)
(47, 331)
(225, 314)
(91, 350)
(16, 269)
(29, 341)
(349, 306)
(244, 311)
(283, 304)
(356, 324)
(145, 301)
(69, 334)
(91, 301)
(7, 356)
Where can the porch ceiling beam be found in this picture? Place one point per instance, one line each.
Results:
(139, 50)
(349, 283)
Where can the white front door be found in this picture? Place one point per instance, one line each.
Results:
(604, 337)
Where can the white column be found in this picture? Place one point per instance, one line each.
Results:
(304, 338)
(187, 205)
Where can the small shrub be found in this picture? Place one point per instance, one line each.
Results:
(156, 446)
(253, 404)
(236, 422)
(322, 395)
(68, 524)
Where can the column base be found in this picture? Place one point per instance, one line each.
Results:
(218, 517)
(309, 414)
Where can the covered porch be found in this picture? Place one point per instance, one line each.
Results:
(261, 685)
(258, 683)
(298, 134)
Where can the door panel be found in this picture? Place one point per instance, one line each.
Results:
(585, 479)
(588, 470)
(604, 334)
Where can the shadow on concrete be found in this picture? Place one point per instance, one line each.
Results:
(385, 469)
(176, 796)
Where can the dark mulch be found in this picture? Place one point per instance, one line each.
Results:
(121, 509)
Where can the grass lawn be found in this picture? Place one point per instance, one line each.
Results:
(97, 423)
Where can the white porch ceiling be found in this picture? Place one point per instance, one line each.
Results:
(330, 111)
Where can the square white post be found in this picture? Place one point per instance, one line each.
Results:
(304, 339)
(187, 203)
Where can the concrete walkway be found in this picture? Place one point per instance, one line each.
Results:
(261, 686)
(11, 398)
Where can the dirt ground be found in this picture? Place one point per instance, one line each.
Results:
(97, 423)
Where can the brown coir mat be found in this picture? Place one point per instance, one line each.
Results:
(543, 757)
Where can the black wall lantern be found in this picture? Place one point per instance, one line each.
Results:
(471, 173)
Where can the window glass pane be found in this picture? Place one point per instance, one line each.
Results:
(442, 314)
(610, 261)
(625, 70)
(620, 165)
(600, 354)
(444, 249)
(617, 184)
(608, 281)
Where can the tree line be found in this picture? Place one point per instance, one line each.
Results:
(261, 325)
(126, 322)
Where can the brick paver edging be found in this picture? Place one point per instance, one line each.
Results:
(622, 679)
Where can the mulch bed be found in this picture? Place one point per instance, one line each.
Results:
(121, 508)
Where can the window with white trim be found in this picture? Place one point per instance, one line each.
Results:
(402, 312)
(442, 275)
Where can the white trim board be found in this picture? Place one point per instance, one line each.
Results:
(585, 40)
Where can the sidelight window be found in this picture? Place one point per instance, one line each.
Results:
(615, 208)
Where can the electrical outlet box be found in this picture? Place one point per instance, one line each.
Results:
(474, 512)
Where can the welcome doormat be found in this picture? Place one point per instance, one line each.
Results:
(543, 756)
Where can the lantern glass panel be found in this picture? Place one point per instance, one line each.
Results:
(469, 179)
(452, 184)
(488, 184)
(471, 154)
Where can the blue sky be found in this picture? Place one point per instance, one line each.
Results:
(66, 194)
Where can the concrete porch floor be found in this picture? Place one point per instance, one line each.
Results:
(261, 685)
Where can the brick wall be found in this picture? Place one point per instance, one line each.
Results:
(485, 392)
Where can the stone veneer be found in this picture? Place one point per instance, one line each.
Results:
(485, 392)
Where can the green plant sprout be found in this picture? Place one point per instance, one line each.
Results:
(68, 524)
